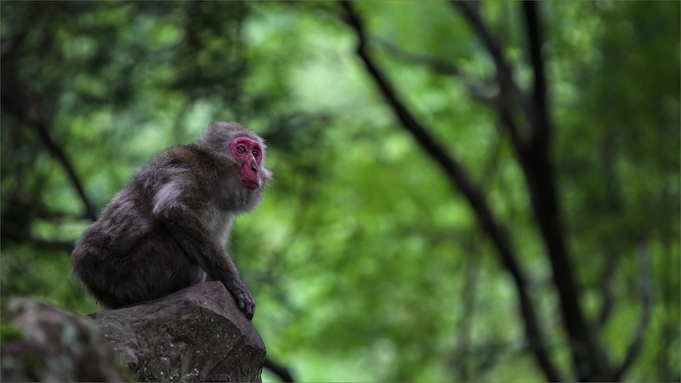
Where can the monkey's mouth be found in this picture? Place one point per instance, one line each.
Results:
(250, 184)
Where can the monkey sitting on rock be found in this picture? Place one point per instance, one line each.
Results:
(167, 229)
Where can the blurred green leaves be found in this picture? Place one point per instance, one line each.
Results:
(367, 265)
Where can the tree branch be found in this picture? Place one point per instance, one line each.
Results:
(38, 209)
(541, 125)
(16, 233)
(460, 180)
(279, 370)
(589, 360)
(15, 106)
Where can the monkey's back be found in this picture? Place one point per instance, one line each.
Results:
(128, 255)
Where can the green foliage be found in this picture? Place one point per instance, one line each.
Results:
(366, 262)
(8, 331)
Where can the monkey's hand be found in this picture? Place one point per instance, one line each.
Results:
(241, 294)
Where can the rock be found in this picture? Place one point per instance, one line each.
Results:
(196, 334)
(41, 343)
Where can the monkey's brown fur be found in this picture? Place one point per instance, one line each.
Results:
(167, 229)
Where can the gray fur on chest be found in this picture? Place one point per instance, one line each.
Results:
(219, 222)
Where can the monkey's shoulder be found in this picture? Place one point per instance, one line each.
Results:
(176, 157)
(190, 157)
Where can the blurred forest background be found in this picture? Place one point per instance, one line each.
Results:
(464, 191)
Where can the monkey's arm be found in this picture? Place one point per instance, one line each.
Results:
(176, 205)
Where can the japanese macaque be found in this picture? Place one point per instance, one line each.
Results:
(167, 229)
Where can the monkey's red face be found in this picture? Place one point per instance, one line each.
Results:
(249, 154)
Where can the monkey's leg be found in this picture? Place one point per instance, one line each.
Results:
(159, 267)
(152, 268)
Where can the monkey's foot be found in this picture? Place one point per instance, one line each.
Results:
(243, 298)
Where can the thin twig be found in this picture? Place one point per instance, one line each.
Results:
(505, 74)
(439, 66)
(606, 291)
(475, 89)
(644, 289)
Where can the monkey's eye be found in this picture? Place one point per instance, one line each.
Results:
(255, 153)
(241, 149)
